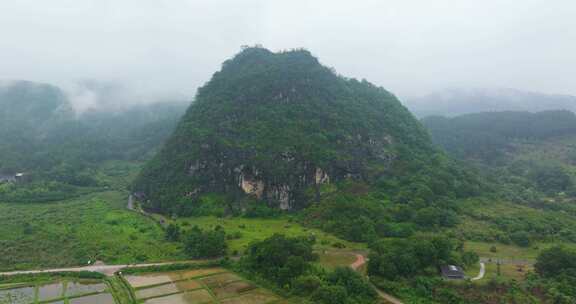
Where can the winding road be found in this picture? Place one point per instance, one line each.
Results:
(481, 273)
(360, 261)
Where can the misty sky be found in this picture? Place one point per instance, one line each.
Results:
(410, 47)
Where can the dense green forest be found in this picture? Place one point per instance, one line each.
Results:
(280, 126)
(281, 143)
(59, 150)
(520, 151)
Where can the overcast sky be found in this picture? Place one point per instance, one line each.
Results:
(411, 47)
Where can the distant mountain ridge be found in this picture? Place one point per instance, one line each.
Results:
(453, 102)
(489, 135)
(40, 129)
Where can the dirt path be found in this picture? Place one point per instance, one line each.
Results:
(505, 261)
(130, 202)
(160, 219)
(108, 270)
(388, 298)
(481, 273)
(360, 261)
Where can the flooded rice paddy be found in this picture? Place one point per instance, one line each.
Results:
(157, 291)
(193, 297)
(50, 291)
(167, 277)
(79, 288)
(55, 292)
(203, 286)
(17, 295)
(103, 298)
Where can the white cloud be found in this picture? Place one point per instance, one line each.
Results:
(409, 46)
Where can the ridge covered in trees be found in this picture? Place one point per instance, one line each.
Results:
(60, 150)
(280, 127)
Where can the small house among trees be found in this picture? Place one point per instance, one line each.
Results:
(452, 272)
(7, 178)
(12, 178)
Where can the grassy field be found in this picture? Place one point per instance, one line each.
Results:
(97, 226)
(511, 272)
(504, 251)
(511, 252)
(333, 258)
(250, 230)
(69, 233)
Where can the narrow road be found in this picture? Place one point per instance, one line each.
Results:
(108, 270)
(481, 273)
(387, 297)
(160, 219)
(130, 202)
(360, 261)
(505, 261)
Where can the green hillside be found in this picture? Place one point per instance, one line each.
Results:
(521, 151)
(280, 127)
(60, 151)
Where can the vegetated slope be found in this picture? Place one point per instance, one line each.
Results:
(60, 150)
(28, 111)
(488, 136)
(536, 149)
(72, 232)
(454, 102)
(277, 126)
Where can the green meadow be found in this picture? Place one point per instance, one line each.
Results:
(73, 232)
(243, 231)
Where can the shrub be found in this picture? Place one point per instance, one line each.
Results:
(521, 238)
(355, 286)
(556, 261)
(470, 258)
(205, 244)
(306, 285)
(330, 295)
(173, 233)
(280, 259)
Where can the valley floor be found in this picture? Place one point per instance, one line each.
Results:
(93, 227)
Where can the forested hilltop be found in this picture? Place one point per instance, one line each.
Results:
(59, 150)
(285, 130)
(536, 148)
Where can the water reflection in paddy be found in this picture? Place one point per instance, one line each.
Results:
(156, 291)
(166, 277)
(79, 288)
(103, 298)
(23, 295)
(194, 297)
(50, 291)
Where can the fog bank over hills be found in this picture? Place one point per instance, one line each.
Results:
(452, 102)
(90, 95)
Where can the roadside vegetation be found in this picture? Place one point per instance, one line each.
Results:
(94, 227)
(286, 263)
